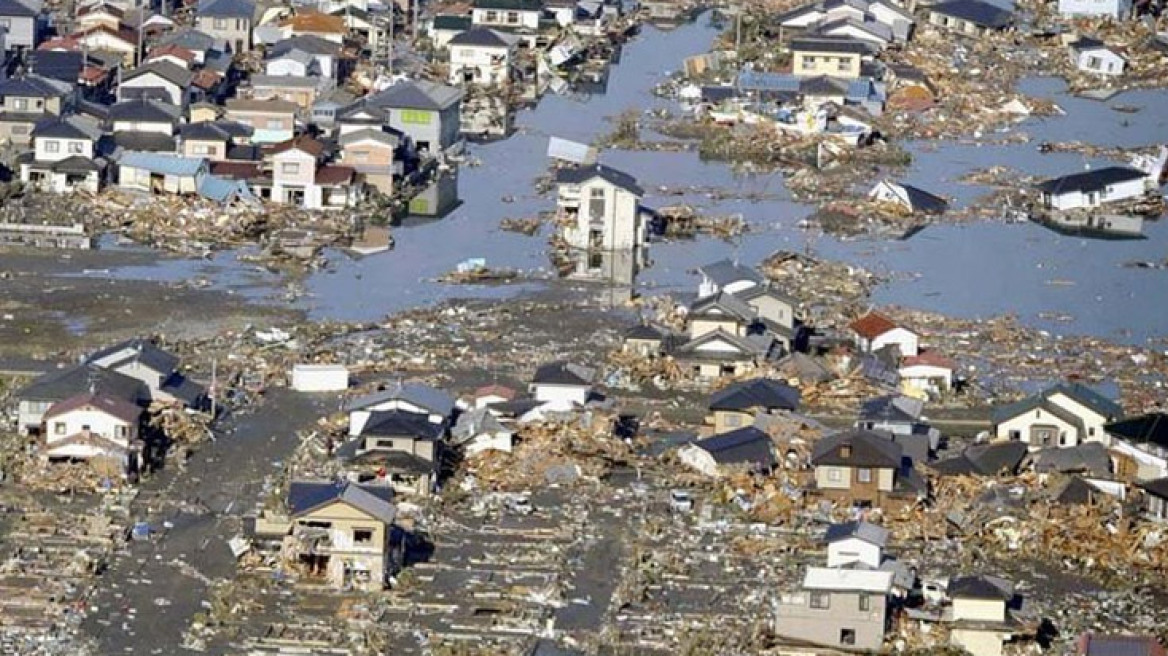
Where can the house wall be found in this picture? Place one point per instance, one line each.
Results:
(805, 20)
(288, 67)
(644, 347)
(560, 393)
(977, 642)
(294, 168)
(881, 480)
(853, 550)
(55, 150)
(216, 150)
(1157, 508)
(728, 420)
(618, 220)
(810, 63)
(490, 441)
(704, 325)
(136, 126)
(135, 178)
(773, 309)
(425, 127)
(270, 127)
(176, 95)
(923, 379)
(1092, 421)
(31, 104)
(711, 370)
(985, 610)
(1149, 465)
(235, 30)
(1103, 62)
(420, 448)
(22, 31)
(505, 18)
(59, 183)
(111, 43)
(953, 24)
(152, 379)
(795, 618)
(1026, 422)
(303, 97)
(1113, 8)
(99, 423)
(487, 66)
(905, 339)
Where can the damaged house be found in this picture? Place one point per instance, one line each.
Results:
(737, 404)
(844, 609)
(1064, 415)
(102, 430)
(863, 468)
(747, 449)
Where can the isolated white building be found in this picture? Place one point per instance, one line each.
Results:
(600, 209)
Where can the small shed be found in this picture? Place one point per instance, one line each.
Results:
(320, 378)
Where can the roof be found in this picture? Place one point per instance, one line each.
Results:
(110, 405)
(1151, 428)
(1088, 457)
(283, 82)
(477, 422)
(756, 393)
(143, 110)
(581, 174)
(303, 143)
(480, 36)
(331, 174)
(14, 9)
(747, 445)
(163, 163)
(822, 85)
(1093, 180)
(33, 86)
(893, 408)
(304, 497)
(151, 142)
(847, 580)
(227, 8)
(76, 164)
(192, 40)
(452, 23)
(64, 383)
(203, 131)
(975, 11)
(102, 7)
(870, 533)
(873, 325)
(1076, 391)
(875, 28)
(1158, 487)
(307, 43)
(1086, 43)
(510, 5)
(922, 201)
(564, 373)
(979, 587)
(252, 105)
(725, 272)
(58, 65)
(315, 21)
(1120, 645)
(70, 127)
(751, 347)
(927, 359)
(398, 423)
(989, 459)
(765, 289)
(370, 134)
(172, 50)
(644, 331)
(223, 190)
(431, 399)
(142, 351)
(169, 71)
(868, 449)
(417, 94)
(830, 44)
(723, 304)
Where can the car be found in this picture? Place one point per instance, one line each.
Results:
(519, 504)
(681, 501)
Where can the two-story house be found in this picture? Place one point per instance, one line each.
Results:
(737, 404)
(969, 17)
(372, 154)
(157, 368)
(26, 101)
(272, 121)
(865, 469)
(63, 157)
(482, 56)
(324, 55)
(1140, 445)
(215, 140)
(1066, 415)
(838, 57)
(228, 20)
(980, 621)
(93, 427)
(299, 177)
(344, 532)
(35, 399)
(511, 15)
(874, 332)
(157, 80)
(841, 608)
(144, 125)
(23, 22)
(427, 112)
(728, 276)
(432, 402)
(599, 208)
(406, 446)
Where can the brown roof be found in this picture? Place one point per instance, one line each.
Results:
(253, 105)
(302, 142)
(205, 79)
(237, 170)
(930, 358)
(127, 35)
(173, 50)
(118, 408)
(315, 22)
(331, 175)
(90, 439)
(495, 390)
(873, 325)
(101, 6)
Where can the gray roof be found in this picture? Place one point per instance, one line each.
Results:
(723, 304)
(870, 533)
(830, 44)
(756, 393)
(308, 43)
(34, 86)
(581, 174)
(69, 127)
(922, 201)
(1157, 487)
(564, 373)
(452, 23)
(65, 383)
(432, 399)
(227, 8)
(143, 351)
(980, 587)
(399, 423)
(417, 94)
(1076, 391)
(989, 459)
(1089, 457)
(167, 70)
(746, 445)
(868, 449)
(1121, 645)
(476, 422)
(725, 272)
(194, 40)
(375, 134)
(892, 408)
(214, 130)
(151, 142)
(12, 8)
(1093, 180)
(976, 12)
(305, 496)
(480, 36)
(145, 111)
(1151, 428)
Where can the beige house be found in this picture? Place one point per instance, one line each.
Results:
(273, 121)
(401, 447)
(980, 620)
(1065, 415)
(94, 427)
(839, 608)
(229, 20)
(343, 532)
(737, 404)
(838, 57)
(25, 102)
(370, 152)
(865, 468)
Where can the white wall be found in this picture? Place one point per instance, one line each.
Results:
(1113, 8)
(99, 423)
(853, 550)
(1120, 191)
(65, 148)
(319, 378)
(504, 18)
(906, 339)
(482, 60)
(1103, 62)
(560, 393)
(1025, 421)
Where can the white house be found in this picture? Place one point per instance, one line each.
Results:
(856, 542)
(63, 157)
(509, 14)
(298, 178)
(1093, 188)
(911, 199)
(727, 276)
(1091, 56)
(1063, 415)
(1112, 8)
(158, 369)
(875, 331)
(90, 426)
(320, 377)
(844, 608)
(160, 172)
(978, 614)
(600, 209)
(481, 56)
(1143, 439)
(563, 383)
(158, 80)
(294, 63)
(926, 374)
(432, 402)
(478, 430)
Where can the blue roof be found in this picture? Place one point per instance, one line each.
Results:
(163, 163)
(221, 189)
(768, 81)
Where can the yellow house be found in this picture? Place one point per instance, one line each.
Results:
(980, 621)
(832, 56)
(343, 531)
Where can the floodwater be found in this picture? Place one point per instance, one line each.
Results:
(974, 270)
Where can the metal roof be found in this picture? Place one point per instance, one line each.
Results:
(870, 533)
(581, 174)
(757, 393)
(163, 163)
(847, 580)
(746, 445)
(417, 94)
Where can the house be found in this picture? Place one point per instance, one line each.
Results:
(1093, 188)
(23, 22)
(401, 446)
(90, 427)
(1118, 9)
(26, 101)
(227, 20)
(314, 23)
(563, 384)
(101, 38)
(1156, 499)
(969, 17)
(852, 543)
(325, 54)
(907, 198)
(864, 468)
(173, 54)
(925, 375)
(838, 608)
(721, 311)
(875, 34)
(489, 395)
(213, 140)
(159, 173)
(721, 353)
(292, 63)
(63, 157)
(141, 115)
(273, 121)
(157, 80)
(445, 27)
(838, 57)
(874, 331)
(645, 340)
(372, 154)
(746, 448)
(83, 69)
(99, 13)
(728, 276)
(979, 620)
(202, 45)
(432, 402)
(774, 309)
(1094, 644)
(511, 15)
(303, 91)
(1063, 415)
(1091, 56)
(899, 415)
(737, 404)
(158, 369)
(599, 208)
(37, 397)
(425, 111)
(481, 56)
(1143, 442)
(810, 17)
(479, 430)
(300, 178)
(344, 531)
(990, 459)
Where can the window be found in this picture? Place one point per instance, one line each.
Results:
(362, 536)
(85, 427)
(733, 420)
(275, 124)
(808, 63)
(847, 636)
(360, 154)
(845, 64)
(220, 23)
(512, 17)
(864, 475)
(865, 602)
(1093, 62)
(1038, 414)
(1091, 431)
(466, 53)
(492, 17)
(239, 24)
(596, 205)
(290, 168)
(833, 474)
(1015, 435)
(52, 146)
(20, 104)
(202, 149)
(59, 428)
(846, 451)
(76, 147)
(123, 431)
(416, 116)
(820, 600)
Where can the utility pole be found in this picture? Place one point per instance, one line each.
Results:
(214, 361)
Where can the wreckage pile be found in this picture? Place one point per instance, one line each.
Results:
(827, 291)
(685, 222)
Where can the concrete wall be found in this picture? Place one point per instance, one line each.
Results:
(985, 610)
